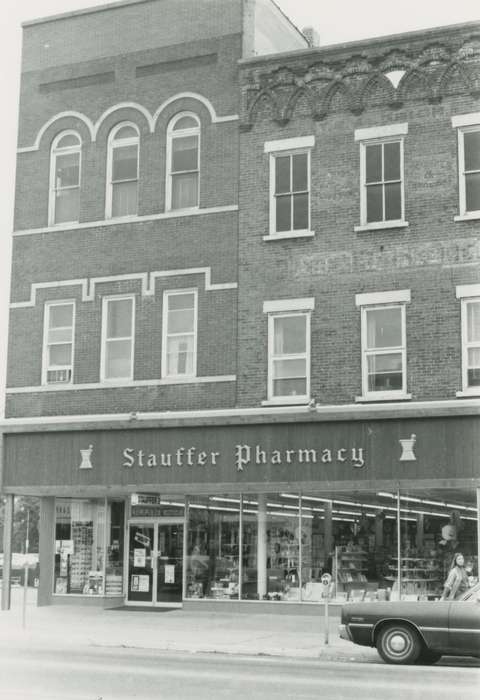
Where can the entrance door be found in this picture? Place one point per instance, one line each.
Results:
(169, 563)
(141, 563)
(155, 563)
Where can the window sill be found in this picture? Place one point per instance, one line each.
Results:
(466, 393)
(392, 396)
(469, 216)
(289, 234)
(287, 401)
(380, 225)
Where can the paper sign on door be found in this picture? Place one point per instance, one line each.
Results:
(139, 557)
(169, 573)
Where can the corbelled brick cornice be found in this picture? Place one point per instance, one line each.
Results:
(355, 76)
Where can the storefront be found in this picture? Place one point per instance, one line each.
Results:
(251, 511)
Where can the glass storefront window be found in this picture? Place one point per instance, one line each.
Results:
(213, 547)
(88, 547)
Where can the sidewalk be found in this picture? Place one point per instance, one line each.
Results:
(176, 630)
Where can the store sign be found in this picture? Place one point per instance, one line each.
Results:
(244, 455)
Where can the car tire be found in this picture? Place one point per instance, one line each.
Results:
(427, 656)
(399, 644)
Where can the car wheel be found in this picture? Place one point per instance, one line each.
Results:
(427, 656)
(398, 644)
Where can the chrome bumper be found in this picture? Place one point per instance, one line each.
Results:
(344, 632)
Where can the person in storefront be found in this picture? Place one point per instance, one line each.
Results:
(457, 580)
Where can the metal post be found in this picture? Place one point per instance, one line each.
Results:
(25, 579)
(478, 532)
(326, 581)
(240, 549)
(399, 548)
(7, 552)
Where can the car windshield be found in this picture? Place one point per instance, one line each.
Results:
(472, 594)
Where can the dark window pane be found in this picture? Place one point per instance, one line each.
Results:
(374, 163)
(300, 212)
(474, 377)
(67, 170)
(181, 301)
(60, 355)
(125, 160)
(282, 174)
(299, 172)
(185, 191)
(68, 140)
(67, 205)
(374, 203)
(393, 202)
(126, 132)
(119, 321)
(391, 161)
(185, 154)
(472, 150)
(61, 316)
(289, 387)
(290, 335)
(124, 198)
(385, 382)
(185, 123)
(472, 192)
(283, 216)
(384, 328)
(473, 322)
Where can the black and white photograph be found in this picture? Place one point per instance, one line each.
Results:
(239, 350)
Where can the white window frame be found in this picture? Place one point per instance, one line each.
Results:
(103, 355)
(372, 302)
(283, 148)
(286, 308)
(46, 327)
(464, 124)
(112, 144)
(171, 135)
(165, 335)
(54, 153)
(391, 133)
(469, 293)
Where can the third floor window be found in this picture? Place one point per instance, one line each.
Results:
(122, 171)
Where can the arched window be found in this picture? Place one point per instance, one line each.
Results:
(183, 161)
(122, 171)
(65, 158)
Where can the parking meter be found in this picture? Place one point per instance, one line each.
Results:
(326, 580)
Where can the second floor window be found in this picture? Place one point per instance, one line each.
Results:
(471, 335)
(291, 196)
(122, 171)
(183, 162)
(179, 356)
(289, 345)
(118, 325)
(65, 159)
(382, 190)
(384, 350)
(58, 343)
(469, 158)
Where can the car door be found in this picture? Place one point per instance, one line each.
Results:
(432, 620)
(464, 627)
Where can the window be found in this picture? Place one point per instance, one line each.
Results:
(122, 171)
(288, 350)
(58, 342)
(183, 165)
(469, 169)
(290, 186)
(470, 298)
(64, 200)
(382, 179)
(384, 353)
(117, 338)
(179, 347)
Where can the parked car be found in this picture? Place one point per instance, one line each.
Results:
(407, 632)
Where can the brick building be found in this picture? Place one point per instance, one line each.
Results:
(245, 307)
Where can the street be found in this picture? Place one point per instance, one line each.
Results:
(101, 673)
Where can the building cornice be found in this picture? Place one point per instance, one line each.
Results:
(245, 416)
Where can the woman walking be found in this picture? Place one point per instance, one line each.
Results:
(457, 580)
